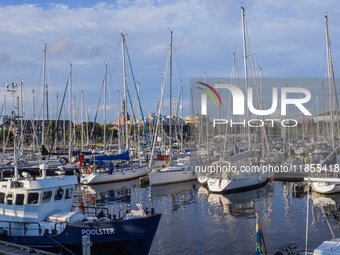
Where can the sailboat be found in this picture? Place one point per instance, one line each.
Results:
(324, 185)
(239, 180)
(108, 172)
(122, 171)
(328, 185)
(37, 212)
(181, 169)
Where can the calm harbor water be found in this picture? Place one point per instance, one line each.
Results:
(196, 222)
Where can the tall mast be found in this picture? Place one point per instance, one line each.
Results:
(43, 99)
(170, 91)
(74, 120)
(207, 122)
(13, 90)
(33, 123)
(325, 127)
(182, 116)
(125, 93)
(47, 114)
(105, 80)
(64, 127)
(261, 104)
(22, 118)
(330, 80)
(138, 118)
(245, 73)
(82, 121)
(87, 127)
(119, 134)
(261, 89)
(56, 121)
(3, 129)
(317, 119)
(70, 112)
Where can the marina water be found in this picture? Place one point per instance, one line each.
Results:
(196, 222)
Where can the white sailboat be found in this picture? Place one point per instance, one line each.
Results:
(108, 172)
(324, 185)
(123, 171)
(328, 185)
(181, 171)
(239, 180)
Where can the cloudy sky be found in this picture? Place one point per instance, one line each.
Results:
(287, 39)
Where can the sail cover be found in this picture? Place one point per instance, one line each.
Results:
(124, 155)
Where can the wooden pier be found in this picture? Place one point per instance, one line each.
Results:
(17, 249)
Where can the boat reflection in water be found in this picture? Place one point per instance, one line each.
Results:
(179, 194)
(115, 196)
(325, 205)
(111, 191)
(241, 204)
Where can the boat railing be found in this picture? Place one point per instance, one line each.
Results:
(92, 211)
(21, 226)
(96, 211)
(61, 224)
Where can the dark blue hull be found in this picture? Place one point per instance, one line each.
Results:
(133, 236)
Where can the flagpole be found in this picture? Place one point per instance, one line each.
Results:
(264, 243)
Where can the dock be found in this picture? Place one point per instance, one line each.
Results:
(7, 248)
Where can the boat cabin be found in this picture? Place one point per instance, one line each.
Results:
(28, 200)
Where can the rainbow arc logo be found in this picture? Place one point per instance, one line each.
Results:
(209, 93)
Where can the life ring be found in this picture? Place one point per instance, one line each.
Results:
(90, 198)
(89, 170)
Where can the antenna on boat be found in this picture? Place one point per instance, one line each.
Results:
(13, 89)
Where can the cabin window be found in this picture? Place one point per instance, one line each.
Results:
(9, 198)
(2, 197)
(33, 198)
(59, 194)
(46, 196)
(68, 193)
(19, 200)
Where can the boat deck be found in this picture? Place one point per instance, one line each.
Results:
(13, 249)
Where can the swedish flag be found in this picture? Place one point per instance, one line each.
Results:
(259, 246)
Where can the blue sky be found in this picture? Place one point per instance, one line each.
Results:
(287, 39)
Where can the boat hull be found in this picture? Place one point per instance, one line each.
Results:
(132, 236)
(166, 177)
(326, 188)
(237, 183)
(118, 176)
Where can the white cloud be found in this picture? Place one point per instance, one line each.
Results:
(287, 38)
(4, 56)
(59, 46)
